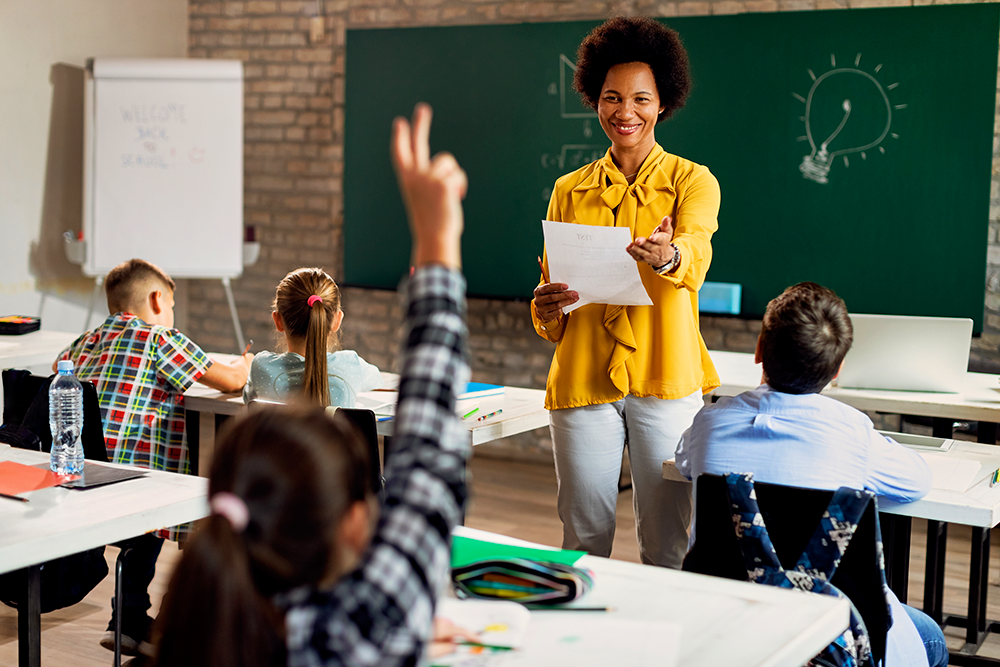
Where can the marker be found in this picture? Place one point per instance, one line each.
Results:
(247, 348)
(492, 414)
(470, 412)
(7, 495)
(995, 477)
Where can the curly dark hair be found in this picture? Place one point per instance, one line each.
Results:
(629, 39)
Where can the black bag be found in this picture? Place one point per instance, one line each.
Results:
(67, 580)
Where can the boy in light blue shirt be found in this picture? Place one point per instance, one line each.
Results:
(786, 432)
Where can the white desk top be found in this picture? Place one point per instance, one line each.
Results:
(57, 522)
(523, 410)
(979, 506)
(978, 401)
(722, 622)
(37, 347)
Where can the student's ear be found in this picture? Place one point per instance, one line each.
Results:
(279, 324)
(758, 357)
(337, 321)
(156, 302)
(355, 527)
(838, 372)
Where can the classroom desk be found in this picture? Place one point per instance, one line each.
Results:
(722, 622)
(523, 410)
(58, 522)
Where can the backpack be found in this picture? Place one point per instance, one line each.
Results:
(815, 566)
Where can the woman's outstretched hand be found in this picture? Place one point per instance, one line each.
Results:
(432, 190)
(655, 249)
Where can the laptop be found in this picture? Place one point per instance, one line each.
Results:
(905, 353)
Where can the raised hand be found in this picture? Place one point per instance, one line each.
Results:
(432, 190)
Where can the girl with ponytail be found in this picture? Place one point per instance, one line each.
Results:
(292, 567)
(306, 310)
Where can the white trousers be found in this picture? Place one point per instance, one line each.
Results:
(588, 444)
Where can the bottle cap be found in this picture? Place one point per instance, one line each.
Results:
(64, 365)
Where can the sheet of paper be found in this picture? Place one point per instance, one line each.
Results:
(585, 638)
(950, 473)
(497, 622)
(379, 402)
(593, 262)
(16, 478)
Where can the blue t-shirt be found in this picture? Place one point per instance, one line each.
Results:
(277, 377)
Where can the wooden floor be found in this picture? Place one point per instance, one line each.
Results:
(508, 497)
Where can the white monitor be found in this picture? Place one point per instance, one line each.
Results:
(907, 353)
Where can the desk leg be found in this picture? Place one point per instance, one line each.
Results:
(29, 621)
(896, 541)
(206, 442)
(987, 433)
(978, 579)
(937, 544)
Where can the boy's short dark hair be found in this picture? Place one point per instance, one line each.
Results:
(804, 339)
(129, 283)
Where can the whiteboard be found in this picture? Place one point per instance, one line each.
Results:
(163, 165)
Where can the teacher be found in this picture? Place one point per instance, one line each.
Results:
(630, 376)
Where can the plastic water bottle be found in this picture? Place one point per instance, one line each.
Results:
(66, 421)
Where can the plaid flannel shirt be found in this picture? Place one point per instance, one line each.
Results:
(381, 613)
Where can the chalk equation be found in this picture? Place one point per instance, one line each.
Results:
(847, 111)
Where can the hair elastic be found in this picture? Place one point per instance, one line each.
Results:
(231, 507)
(313, 299)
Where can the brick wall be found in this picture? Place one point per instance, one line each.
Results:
(294, 163)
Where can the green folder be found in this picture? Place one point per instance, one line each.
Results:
(465, 550)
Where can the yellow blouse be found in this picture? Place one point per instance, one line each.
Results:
(604, 352)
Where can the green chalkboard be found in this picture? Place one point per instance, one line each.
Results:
(896, 222)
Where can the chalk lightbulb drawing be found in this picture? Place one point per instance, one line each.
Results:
(847, 110)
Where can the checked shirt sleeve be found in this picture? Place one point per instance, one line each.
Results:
(381, 614)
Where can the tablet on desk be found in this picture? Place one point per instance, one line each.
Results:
(923, 443)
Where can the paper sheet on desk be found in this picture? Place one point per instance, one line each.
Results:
(950, 473)
(597, 638)
(594, 263)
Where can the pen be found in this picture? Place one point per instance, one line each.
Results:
(542, 607)
(995, 477)
(247, 348)
(545, 275)
(470, 412)
(492, 414)
(7, 495)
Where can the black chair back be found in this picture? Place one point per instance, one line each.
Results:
(364, 421)
(791, 515)
(26, 408)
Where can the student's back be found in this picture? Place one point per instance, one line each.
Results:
(306, 311)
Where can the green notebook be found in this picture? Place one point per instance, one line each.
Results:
(465, 550)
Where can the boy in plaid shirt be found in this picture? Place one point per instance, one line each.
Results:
(141, 367)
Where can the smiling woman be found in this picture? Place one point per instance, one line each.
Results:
(630, 376)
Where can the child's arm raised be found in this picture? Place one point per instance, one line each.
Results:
(394, 589)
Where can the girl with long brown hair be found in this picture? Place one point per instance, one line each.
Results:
(306, 311)
(291, 567)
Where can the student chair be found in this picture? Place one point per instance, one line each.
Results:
(364, 421)
(791, 515)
